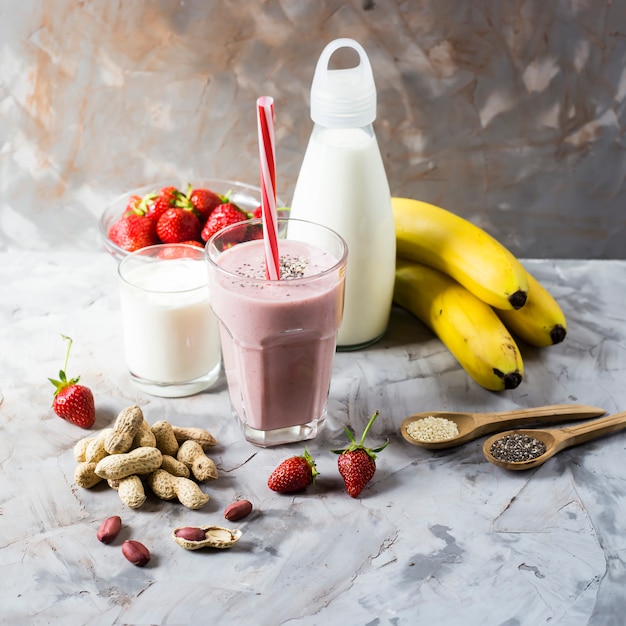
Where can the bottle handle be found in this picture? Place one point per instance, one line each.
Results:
(364, 67)
(343, 98)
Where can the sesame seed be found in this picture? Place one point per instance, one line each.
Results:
(430, 429)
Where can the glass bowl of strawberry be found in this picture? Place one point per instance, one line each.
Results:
(170, 212)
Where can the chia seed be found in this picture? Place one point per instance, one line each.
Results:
(292, 266)
(289, 266)
(516, 448)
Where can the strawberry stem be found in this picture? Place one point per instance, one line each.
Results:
(63, 381)
(350, 435)
(355, 446)
(67, 354)
(369, 425)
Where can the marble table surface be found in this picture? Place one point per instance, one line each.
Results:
(437, 536)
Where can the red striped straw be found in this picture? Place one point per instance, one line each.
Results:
(265, 118)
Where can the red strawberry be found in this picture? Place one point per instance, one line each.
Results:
(133, 231)
(176, 225)
(181, 253)
(293, 474)
(134, 205)
(73, 402)
(204, 201)
(157, 204)
(258, 212)
(356, 462)
(224, 215)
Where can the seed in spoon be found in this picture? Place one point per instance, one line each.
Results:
(431, 429)
(516, 448)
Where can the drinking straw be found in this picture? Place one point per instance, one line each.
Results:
(265, 118)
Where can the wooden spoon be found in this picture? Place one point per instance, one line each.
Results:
(557, 439)
(473, 425)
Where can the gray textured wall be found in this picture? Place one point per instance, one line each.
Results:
(508, 113)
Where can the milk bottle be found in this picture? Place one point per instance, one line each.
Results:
(342, 184)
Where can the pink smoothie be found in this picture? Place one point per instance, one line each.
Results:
(278, 337)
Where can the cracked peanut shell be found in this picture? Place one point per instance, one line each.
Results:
(215, 537)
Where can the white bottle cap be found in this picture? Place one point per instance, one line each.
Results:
(343, 98)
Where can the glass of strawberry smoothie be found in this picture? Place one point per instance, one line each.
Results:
(278, 337)
(171, 336)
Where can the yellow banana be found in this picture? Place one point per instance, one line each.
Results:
(431, 235)
(466, 325)
(540, 322)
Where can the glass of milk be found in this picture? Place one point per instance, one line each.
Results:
(171, 336)
(278, 336)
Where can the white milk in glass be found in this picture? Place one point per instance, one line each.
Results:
(171, 337)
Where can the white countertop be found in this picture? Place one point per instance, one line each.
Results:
(437, 536)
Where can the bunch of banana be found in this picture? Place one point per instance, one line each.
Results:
(466, 325)
(472, 293)
(540, 322)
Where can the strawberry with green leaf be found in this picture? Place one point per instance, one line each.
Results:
(134, 205)
(356, 463)
(73, 402)
(156, 204)
(294, 474)
(204, 201)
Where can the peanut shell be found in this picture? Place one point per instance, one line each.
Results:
(126, 426)
(131, 492)
(201, 436)
(80, 448)
(189, 493)
(85, 475)
(215, 537)
(144, 437)
(174, 466)
(138, 461)
(96, 451)
(192, 455)
(165, 438)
